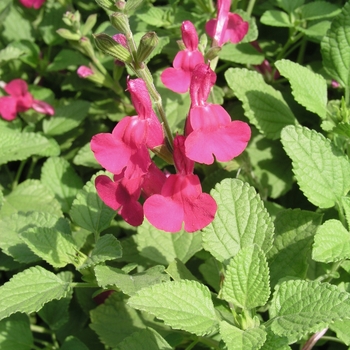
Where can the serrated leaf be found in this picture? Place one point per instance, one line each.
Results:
(12, 226)
(302, 307)
(341, 328)
(308, 88)
(55, 247)
(246, 281)
(185, 305)
(271, 166)
(89, 212)
(73, 343)
(241, 220)
(289, 6)
(313, 10)
(334, 48)
(291, 251)
(241, 53)
(60, 177)
(163, 247)
(263, 105)
(154, 16)
(11, 328)
(332, 242)
(66, 118)
(275, 342)
(10, 53)
(276, 18)
(29, 290)
(16, 145)
(316, 31)
(238, 339)
(30, 195)
(114, 320)
(56, 313)
(107, 248)
(86, 157)
(145, 339)
(129, 284)
(321, 169)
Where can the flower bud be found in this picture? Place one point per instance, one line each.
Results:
(108, 45)
(107, 4)
(147, 44)
(120, 5)
(67, 34)
(89, 24)
(132, 5)
(120, 22)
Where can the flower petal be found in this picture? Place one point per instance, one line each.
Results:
(16, 87)
(107, 190)
(176, 80)
(43, 107)
(8, 107)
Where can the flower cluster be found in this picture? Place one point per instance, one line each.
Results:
(35, 4)
(20, 100)
(209, 134)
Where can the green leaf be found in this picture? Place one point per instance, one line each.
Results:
(238, 339)
(30, 195)
(341, 328)
(86, 157)
(313, 11)
(56, 312)
(345, 202)
(334, 48)
(246, 281)
(88, 211)
(241, 53)
(145, 339)
(291, 251)
(154, 16)
(16, 145)
(178, 271)
(31, 51)
(302, 307)
(55, 247)
(66, 118)
(321, 169)
(15, 333)
(129, 284)
(107, 248)
(308, 88)
(10, 53)
(60, 177)
(114, 320)
(163, 247)
(29, 290)
(289, 6)
(276, 18)
(275, 342)
(263, 105)
(73, 343)
(332, 242)
(12, 226)
(316, 31)
(67, 59)
(182, 305)
(271, 166)
(241, 220)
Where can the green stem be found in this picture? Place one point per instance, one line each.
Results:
(192, 344)
(39, 329)
(332, 339)
(18, 174)
(83, 285)
(210, 342)
(250, 7)
(302, 49)
(234, 5)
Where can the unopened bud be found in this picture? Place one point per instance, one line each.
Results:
(147, 44)
(107, 4)
(120, 22)
(132, 5)
(67, 34)
(212, 53)
(89, 24)
(120, 5)
(108, 45)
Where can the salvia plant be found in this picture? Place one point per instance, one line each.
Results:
(174, 175)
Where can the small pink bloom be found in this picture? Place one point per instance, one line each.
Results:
(120, 39)
(335, 84)
(84, 72)
(227, 26)
(209, 129)
(20, 100)
(178, 78)
(36, 4)
(181, 200)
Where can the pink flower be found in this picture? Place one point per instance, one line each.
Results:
(20, 100)
(178, 78)
(36, 4)
(129, 140)
(84, 71)
(227, 26)
(209, 129)
(181, 200)
(335, 84)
